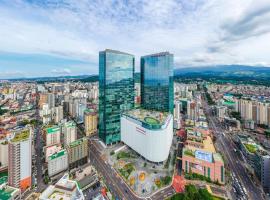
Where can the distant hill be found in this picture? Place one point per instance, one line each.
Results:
(239, 74)
(226, 70)
(86, 78)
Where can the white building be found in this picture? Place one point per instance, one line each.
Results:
(177, 115)
(52, 135)
(81, 107)
(9, 193)
(20, 159)
(57, 162)
(51, 150)
(64, 189)
(221, 112)
(3, 154)
(57, 114)
(149, 133)
(51, 100)
(192, 110)
(45, 114)
(69, 132)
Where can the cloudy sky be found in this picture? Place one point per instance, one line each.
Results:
(63, 37)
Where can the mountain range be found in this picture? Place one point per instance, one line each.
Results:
(225, 71)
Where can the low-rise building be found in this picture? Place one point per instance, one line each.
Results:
(248, 147)
(57, 162)
(9, 193)
(199, 156)
(258, 159)
(64, 189)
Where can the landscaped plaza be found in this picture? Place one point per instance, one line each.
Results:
(142, 176)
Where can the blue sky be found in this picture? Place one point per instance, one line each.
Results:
(63, 37)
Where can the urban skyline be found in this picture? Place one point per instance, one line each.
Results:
(177, 109)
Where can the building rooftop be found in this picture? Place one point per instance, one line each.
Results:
(158, 54)
(21, 136)
(3, 177)
(5, 195)
(70, 124)
(58, 154)
(8, 192)
(89, 111)
(228, 103)
(115, 51)
(52, 129)
(250, 145)
(64, 189)
(77, 142)
(147, 117)
(202, 155)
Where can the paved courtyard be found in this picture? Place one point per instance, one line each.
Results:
(142, 176)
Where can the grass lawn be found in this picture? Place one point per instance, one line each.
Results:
(188, 152)
(251, 148)
(151, 120)
(127, 170)
(124, 154)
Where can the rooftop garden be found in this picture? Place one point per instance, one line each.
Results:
(3, 177)
(251, 147)
(151, 120)
(77, 142)
(5, 195)
(189, 152)
(21, 136)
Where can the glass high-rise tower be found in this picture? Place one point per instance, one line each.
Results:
(157, 82)
(116, 92)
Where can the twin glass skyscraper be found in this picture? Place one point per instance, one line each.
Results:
(117, 89)
(116, 92)
(157, 82)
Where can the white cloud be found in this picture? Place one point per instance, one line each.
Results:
(64, 71)
(198, 32)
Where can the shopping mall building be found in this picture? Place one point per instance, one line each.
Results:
(149, 133)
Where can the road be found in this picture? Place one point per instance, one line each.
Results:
(38, 148)
(115, 183)
(235, 162)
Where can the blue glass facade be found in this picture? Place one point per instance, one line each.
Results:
(116, 92)
(157, 82)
